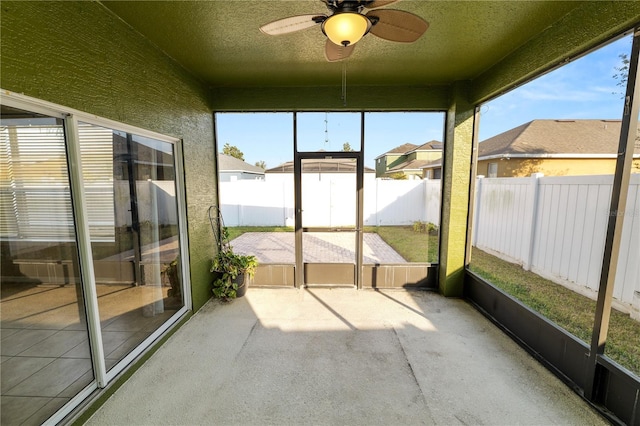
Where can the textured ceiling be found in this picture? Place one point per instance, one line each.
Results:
(219, 41)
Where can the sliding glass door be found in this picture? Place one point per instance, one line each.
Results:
(45, 346)
(92, 268)
(134, 234)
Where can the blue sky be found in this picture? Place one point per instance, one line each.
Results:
(584, 88)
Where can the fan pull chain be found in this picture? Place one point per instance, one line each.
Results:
(344, 83)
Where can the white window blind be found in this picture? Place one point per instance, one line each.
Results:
(35, 200)
(96, 151)
(36, 203)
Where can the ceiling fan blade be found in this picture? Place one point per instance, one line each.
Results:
(380, 3)
(335, 53)
(397, 25)
(292, 24)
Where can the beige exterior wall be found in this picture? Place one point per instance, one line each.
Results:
(383, 163)
(428, 155)
(419, 155)
(381, 166)
(521, 167)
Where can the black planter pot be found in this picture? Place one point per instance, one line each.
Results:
(243, 284)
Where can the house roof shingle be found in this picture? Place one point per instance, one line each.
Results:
(324, 165)
(432, 145)
(399, 150)
(555, 137)
(409, 147)
(544, 137)
(410, 165)
(227, 163)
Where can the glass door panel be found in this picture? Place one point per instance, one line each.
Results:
(329, 217)
(45, 345)
(328, 194)
(134, 234)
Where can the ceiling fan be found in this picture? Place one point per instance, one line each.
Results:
(349, 21)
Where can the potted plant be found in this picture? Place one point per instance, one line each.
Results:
(233, 271)
(172, 272)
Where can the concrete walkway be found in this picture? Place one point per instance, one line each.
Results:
(321, 247)
(342, 357)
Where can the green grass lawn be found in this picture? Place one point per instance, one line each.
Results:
(236, 231)
(571, 311)
(413, 246)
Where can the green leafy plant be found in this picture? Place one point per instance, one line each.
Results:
(425, 227)
(233, 151)
(229, 265)
(172, 272)
(431, 228)
(398, 176)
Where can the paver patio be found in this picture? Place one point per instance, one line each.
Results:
(321, 247)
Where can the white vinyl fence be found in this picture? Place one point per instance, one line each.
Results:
(330, 200)
(556, 226)
(553, 226)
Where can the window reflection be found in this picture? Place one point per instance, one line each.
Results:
(134, 235)
(45, 347)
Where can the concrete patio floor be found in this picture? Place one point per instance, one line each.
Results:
(342, 356)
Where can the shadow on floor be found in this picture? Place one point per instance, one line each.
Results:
(341, 356)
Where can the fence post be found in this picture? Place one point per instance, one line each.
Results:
(476, 216)
(533, 210)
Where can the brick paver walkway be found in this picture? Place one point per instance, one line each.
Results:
(320, 247)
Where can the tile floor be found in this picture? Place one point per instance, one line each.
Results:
(44, 349)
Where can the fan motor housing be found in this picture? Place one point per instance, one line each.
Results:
(347, 6)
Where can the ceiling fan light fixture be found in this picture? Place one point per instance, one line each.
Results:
(347, 28)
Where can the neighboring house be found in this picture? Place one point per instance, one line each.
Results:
(231, 168)
(432, 170)
(334, 166)
(392, 158)
(550, 147)
(408, 159)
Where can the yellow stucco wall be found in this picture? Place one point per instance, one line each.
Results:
(455, 191)
(521, 167)
(429, 155)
